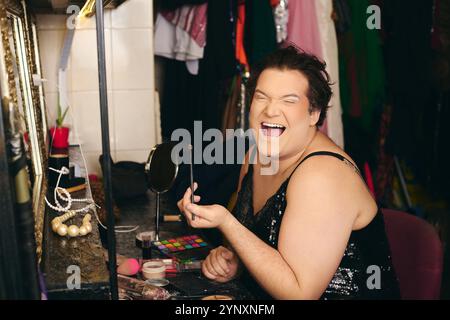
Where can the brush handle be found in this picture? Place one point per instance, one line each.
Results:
(191, 169)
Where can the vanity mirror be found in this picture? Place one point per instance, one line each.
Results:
(161, 174)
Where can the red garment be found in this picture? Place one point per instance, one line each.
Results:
(240, 49)
(274, 3)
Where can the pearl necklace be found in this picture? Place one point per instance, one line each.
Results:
(73, 230)
(64, 195)
(58, 225)
(62, 229)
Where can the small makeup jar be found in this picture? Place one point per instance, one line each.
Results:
(154, 269)
(146, 235)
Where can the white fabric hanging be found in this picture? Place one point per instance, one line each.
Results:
(328, 39)
(172, 42)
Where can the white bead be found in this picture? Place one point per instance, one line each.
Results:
(62, 230)
(83, 231)
(73, 231)
(88, 227)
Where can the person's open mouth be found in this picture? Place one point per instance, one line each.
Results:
(272, 129)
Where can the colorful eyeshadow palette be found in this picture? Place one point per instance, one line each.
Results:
(174, 247)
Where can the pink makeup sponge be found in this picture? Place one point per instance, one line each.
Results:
(129, 267)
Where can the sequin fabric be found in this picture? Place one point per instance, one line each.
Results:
(281, 16)
(354, 278)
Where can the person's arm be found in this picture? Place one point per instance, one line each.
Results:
(314, 233)
(216, 263)
(228, 245)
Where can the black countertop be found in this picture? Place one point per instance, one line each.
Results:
(141, 211)
(62, 255)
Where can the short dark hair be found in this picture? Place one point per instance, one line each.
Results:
(292, 58)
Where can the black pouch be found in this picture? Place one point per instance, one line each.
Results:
(128, 179)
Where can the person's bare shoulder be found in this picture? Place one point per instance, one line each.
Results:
(327, 182)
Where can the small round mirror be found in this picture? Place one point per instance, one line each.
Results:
(161, 170)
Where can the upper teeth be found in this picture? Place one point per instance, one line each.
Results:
(273, 125)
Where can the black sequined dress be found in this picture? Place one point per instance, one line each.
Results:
(366, 247)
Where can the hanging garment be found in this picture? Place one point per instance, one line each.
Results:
(408, 63)
(440, 43)
(219, 37)
(186, 97)
(174, 43)
(230, 115)
(342, 15)
(362, 56)
(181, 35)
(328, 40)
(385, 169)
(362, 83)
(275, 3)
(281, 14)
(439, 112)
(303, 29)
(259, 32)
(241, 56)
(191, 19)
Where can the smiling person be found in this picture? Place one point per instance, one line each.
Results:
(310, 230)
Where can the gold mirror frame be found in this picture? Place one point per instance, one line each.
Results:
(21, 61)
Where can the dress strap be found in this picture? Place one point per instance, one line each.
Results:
(332, 154)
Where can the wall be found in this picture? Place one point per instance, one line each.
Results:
(130, 80)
